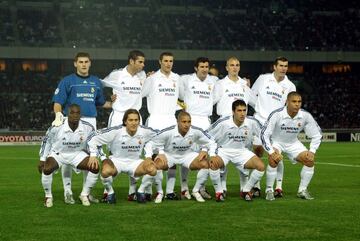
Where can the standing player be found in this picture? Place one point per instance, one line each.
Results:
(227, 90)
(175, 147)
(280, 134)
(197, 91)
(234, 134)
(127, 86)
(65, 145)
(162, 91)
(269, 93)
(126, 144)
(85, 90)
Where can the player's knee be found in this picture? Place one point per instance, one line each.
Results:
(273, 163)
(259, 151)
(106, 172)
(94, 170)
(47, 170)
(151, 169)
(308, 163)
(260, 166)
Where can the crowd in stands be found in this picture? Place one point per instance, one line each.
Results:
(26, 103)
(187, 24)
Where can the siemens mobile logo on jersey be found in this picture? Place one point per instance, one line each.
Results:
(274, 95)
(132, 90)
(290, 129)
(202, 94)
(70, 144)
(181, 148)
(81, 95)
(237, 138)
(236, 95)
(167, 91)
(131, 148)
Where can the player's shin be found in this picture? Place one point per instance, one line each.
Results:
(279, 175)
(270, 178)
(46, 181)
(201, 178)
(306, 176)
(254, 177)
(171, 178)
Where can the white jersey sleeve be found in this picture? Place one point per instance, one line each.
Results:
(112, 80)
(255, 90)
(267, 131)
(182, 85)
(313, 131)
(100, 137)
(47, 143)
(147, 87)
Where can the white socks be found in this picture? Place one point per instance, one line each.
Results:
(201, 178)
(243, 180)
(132, 185)
(46, 181)
(107, 182)
(254, 177)
(306, 175)
(66, 173)
(89, 181)
(183, 176)
(270, 178)
(279, 175)
(223, 176)
(215, 178)
(171, 179)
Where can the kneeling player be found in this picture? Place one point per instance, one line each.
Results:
(233, 135)
(64, 145)
(280, 134)
(174, 144)
(126, 143)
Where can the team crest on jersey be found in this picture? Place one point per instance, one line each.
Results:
(56, 91)
(174, 85)
(299, 124)
(209, 87)
(140, 142)
(245, 133)
(190, 142)
(81, 138)
(92, 89)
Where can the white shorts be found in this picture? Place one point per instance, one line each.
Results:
(91, 120)
(159, 122)
(292, 150)
(238, 157)
(126, 166)
(202, 122)
(184, 161)
(72, 159)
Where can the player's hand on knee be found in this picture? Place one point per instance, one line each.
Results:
(161, 162)
(41, 166)
(203, 155)
(93, 163)
(309, 159)
(215, 162)
(59, 118)
(113, 97)
(274, 159)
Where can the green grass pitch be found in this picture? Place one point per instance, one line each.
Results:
(333, 215)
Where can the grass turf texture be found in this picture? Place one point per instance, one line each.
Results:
(333, 215)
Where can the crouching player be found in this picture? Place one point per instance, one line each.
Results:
(234, 134)
(65, 145)
(280, 134)
(126, 143)
(174, 144)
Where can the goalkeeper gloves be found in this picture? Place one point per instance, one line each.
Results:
(59, 118)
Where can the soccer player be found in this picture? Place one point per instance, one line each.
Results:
(269, 93)
(126, 84)
(234, 134)
(162, 91)
(126, 143)
(85, 90)
(280, 135)
(175, 147)
(65, 145)
(197, 91)
(226, 91)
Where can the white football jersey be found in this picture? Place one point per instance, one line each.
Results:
(268, 95)
(121, 144)
(198, 95)
(162, 93)
(230, 136)
(281, 128)
(62, 139)
(126, 87)
(172, 142)
(227, 91)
